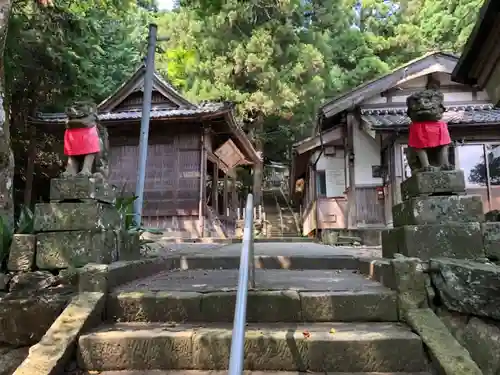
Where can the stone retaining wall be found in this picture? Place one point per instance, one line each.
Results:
(452, 304)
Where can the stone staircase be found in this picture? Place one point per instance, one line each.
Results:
(279, 215)
(311, 320)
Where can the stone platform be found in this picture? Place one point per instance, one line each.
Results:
(436, 219)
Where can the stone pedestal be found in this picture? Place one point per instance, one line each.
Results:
(436, 219)
(80, 225)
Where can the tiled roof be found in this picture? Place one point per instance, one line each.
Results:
(454, 115)
(205, 108)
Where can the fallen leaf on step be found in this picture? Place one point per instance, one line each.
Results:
(332, 331)
(306, 334)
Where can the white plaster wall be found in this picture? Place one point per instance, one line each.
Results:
(367, 154)
(335, 172)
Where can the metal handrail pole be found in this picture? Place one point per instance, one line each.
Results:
(244, 279)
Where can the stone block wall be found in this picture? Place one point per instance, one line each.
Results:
(80, 225)
(443, 260)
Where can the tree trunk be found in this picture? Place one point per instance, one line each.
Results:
(6, 154)
(258, 167)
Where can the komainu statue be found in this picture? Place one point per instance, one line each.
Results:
(85, 142)
(429, 139)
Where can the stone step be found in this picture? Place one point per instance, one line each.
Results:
(270, 262)
(376, 304)
(341, 347)
(201, 372)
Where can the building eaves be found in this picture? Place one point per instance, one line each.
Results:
(206, 108)
(484, 24)
(381, 84)
(394, 119)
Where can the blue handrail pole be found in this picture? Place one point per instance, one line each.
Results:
(245, 278)
(145, 117)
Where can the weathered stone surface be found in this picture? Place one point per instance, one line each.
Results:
(491, 240)
(22, 252)
(50, 355)
(431, 183)
(482, 340)
(467, 287)
(4, 282)
(341, 347)
(139, 347)
(155, 307)
(91, 215)
(93, 278)
(129, 245)
(493, 215)
(29, 282)
(11, 358)
(262, 306)
(24, 320)
(455, 322)
(104, 277)
(379, 270)
(446, 352)
(81, 188)
(454, 240)
(350, 306)
(410, 281)
(438, 210)
(57, 250)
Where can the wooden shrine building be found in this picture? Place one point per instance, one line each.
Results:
(192, 148)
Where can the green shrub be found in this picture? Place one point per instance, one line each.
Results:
(5, 239)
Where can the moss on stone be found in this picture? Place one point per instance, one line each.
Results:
(452, 358)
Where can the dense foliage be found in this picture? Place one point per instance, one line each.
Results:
(278, 59)
(282, 58)
(71, 50)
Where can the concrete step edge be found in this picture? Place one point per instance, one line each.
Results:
(370, 305)
(341, 347)
(293, 262)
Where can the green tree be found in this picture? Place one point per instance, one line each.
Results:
(280, 60)
(70, 51)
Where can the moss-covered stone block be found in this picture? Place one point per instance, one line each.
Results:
(454, 240)
(467, 287)
(491, 239)
(71, 188)
(444, 349)
(482, 340)
(438, 210)
(410, 283)
(129, 245)
(22, 253)
(432, 183)
(90, 215)
(57, 250)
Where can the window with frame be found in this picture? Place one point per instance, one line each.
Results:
(321, 183)
(481, 165)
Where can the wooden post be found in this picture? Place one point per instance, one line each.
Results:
(351, 197)
(215, 184)
(234, 197)
(225, 196)
(203, 181)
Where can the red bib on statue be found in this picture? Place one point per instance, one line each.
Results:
(81, 141)
(428, 134)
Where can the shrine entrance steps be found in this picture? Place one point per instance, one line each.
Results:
(311, 311)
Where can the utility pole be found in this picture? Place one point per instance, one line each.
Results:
(145, 117)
